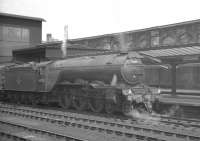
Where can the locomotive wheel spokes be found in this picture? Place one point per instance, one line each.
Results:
(21, 99)
(33, 100)
(109, 107)
(9, 97)
(16, 99)
(12, 98)
(29, 99)
(79, 103)
(127, 107)
(65, 101)
(96, 105)
(26, 99)
(141, 108)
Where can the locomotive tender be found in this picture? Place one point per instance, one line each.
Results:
(113, 83)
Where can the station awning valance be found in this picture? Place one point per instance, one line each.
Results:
(173, 52)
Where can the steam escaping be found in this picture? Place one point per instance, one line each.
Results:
(64, 44)
(174, 110)
(114, 80)
(155, 118)
(146, 117)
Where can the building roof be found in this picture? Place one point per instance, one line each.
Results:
(173, 52)
(56, 45)
(22, 17)
(137, 30)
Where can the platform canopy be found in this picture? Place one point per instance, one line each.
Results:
(175, 55)
(174, 52)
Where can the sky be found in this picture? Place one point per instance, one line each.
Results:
(96, 17)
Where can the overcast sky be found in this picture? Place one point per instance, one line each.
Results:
(95, 17)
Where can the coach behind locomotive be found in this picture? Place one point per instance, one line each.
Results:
(112, 82)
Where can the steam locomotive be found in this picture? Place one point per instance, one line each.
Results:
(110, 83)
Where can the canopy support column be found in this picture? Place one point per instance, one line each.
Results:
(173, 79)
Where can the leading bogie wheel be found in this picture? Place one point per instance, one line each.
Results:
(127, 107)
(96, 105)
(141, 108)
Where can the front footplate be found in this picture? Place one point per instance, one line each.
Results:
(141, 98)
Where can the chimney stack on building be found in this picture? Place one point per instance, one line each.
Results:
(49, 37)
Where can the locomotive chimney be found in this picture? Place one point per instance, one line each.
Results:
(122, 42)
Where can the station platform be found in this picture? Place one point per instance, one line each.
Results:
(182, 97)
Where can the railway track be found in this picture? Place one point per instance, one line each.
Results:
(9, 136)
(163, 120)
(177, 122)
(185, 122)
(150, 130)
(28, 133)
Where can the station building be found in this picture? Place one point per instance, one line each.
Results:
(18, 32)
(21, 40)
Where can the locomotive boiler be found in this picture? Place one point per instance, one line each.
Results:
(110, 83)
